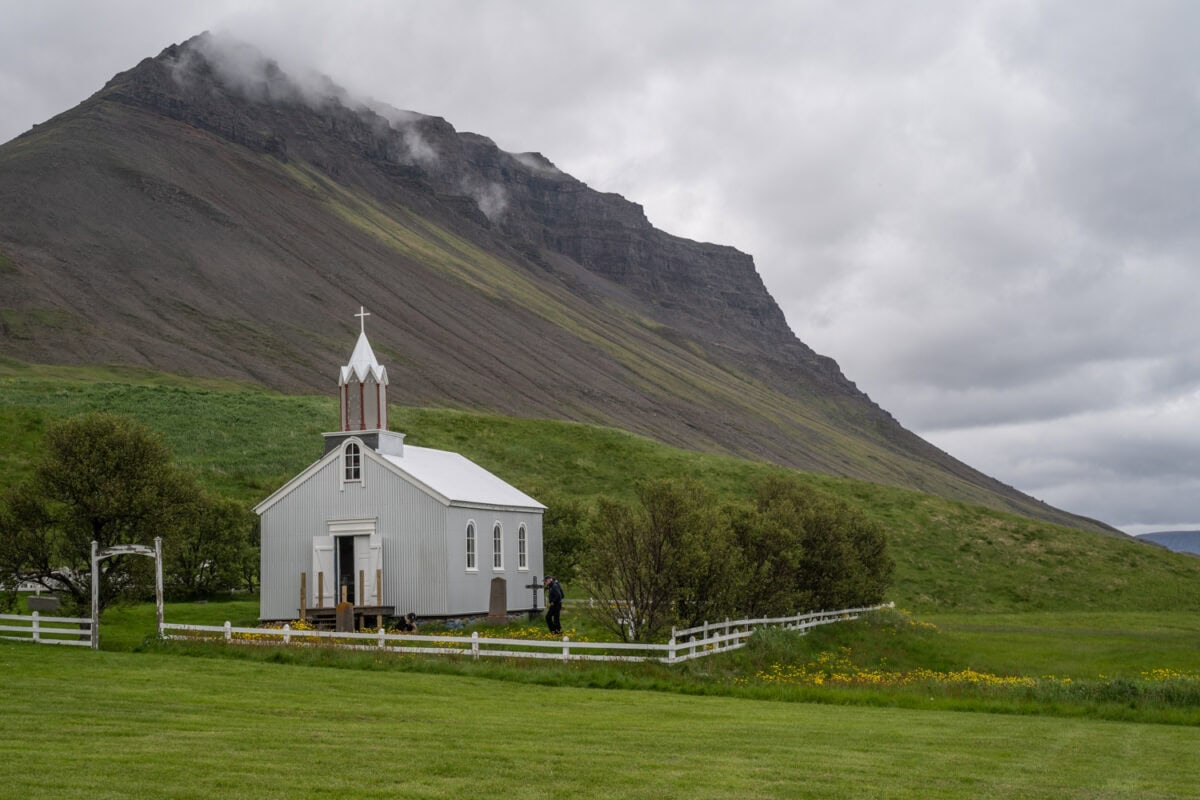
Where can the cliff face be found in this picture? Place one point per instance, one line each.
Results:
(206, 213)
(523, 196)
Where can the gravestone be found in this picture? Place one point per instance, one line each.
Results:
(498, 603)
(344, 622)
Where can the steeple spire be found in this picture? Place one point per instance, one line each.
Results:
(363, 406)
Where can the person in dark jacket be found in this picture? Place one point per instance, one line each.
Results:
(554, 599)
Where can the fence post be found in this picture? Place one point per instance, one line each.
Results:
(380, 638)
(37, 637)
(228, 635)
(287, 633)
(95, 596)
(158, 586)
(566, 649)
(671, 648)
(475, 645)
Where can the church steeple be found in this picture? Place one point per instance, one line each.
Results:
(362, 386)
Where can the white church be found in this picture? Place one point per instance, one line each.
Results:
(393, 528)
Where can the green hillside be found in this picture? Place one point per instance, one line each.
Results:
(245, 442)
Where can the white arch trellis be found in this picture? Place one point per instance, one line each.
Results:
(99, 555)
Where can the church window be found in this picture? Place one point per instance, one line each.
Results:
(353, 460)
(522, 548)
(471, 546)
(497, 547)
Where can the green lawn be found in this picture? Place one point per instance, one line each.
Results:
(109, 724)
(1081, 644)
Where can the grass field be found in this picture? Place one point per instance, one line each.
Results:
(1129, 667)
(1064, 626)
(199, 720)
(97, 725)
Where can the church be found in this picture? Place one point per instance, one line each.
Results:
(393, 528)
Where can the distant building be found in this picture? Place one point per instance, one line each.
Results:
(390, 527)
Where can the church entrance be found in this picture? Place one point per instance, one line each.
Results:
(345, 569)
(348, 565)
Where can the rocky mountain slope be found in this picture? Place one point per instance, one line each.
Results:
(205, 213)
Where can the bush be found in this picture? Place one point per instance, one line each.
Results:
(681, 556)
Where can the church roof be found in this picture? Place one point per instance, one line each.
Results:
(362, 363)
(458, 479)
(448, 477)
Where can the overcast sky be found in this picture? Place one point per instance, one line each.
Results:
(986, 212)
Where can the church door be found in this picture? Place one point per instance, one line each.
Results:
(356, 549)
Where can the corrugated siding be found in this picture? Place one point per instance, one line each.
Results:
(469, 592)
(411, 525)
(424, 544)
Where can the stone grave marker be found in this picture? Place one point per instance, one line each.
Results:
(498, 603)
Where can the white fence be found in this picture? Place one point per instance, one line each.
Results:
(684, 645)
(47, 630)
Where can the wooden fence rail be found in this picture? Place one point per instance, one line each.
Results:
(700, 641)
(47, 630)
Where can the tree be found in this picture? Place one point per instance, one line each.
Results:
(679, 555)
(564, 536)
(251, 556)
(715, 579)
(99, 477)
(769, 542)
(212, 552)
(827, 554)
(645, 562)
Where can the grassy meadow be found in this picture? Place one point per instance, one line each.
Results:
(157, 723)
(1125, 667)
(1029, 660)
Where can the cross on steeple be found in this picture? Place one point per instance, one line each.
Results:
(362, 318)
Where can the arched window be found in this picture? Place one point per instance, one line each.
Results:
(522, 548)
(353, 462)
(471, 546)
(497, 547)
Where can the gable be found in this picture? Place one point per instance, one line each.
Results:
(448, 478)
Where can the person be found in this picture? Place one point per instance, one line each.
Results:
(554, 599)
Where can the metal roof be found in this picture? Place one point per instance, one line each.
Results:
(458, 479)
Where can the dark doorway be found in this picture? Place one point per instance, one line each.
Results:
(345, 568)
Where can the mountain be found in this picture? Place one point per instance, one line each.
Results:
(1178, 541)
(205, 213)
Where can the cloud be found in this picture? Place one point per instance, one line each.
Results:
(536, 162)
(1136, 466)
(491, 198)
(417, 149)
